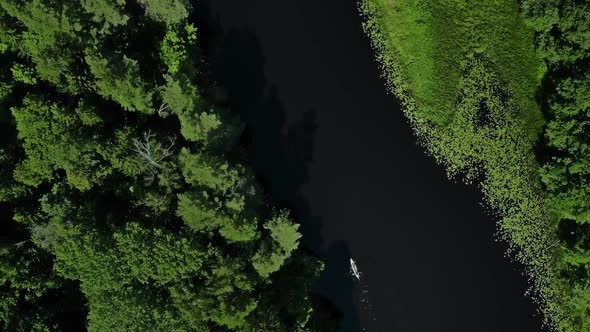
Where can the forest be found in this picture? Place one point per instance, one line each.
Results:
(127, 202)
(499, 93)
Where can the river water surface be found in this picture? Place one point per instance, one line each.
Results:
(332, 145)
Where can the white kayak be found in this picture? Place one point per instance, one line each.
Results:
(354, 270)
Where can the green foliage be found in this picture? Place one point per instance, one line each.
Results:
(204, 213)
(117, 152)
(122, 224)
(53, 38)
(9, 36)
(200, 169)
(5, 90)
(106, 11)
(285, 237)
(563, 28)
(565, 175)
(132, 308)
(199, 212)
(24, 74)
(54, 138)
(487, 138)
(154, 255)
(196, 126)
(179, 95)
(284, 232)
(168, 11)
(231, 301)
(468, 77)
(197, 122)
(563, 39)
(431, 42)
(118, 79)
(175, 47)
(118, 278)
(10, 189)
(27, 286)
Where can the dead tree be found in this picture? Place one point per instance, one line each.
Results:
(152, 152)
(164, 107)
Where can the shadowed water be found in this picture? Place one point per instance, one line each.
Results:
(329, 143)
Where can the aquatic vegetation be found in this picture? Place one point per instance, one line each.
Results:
(474, 78)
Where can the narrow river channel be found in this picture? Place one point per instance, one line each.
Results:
(331, 144)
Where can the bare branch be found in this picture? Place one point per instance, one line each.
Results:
(163, 108)
(153, 154)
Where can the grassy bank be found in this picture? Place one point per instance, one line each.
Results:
(433, 42)
(468, 74)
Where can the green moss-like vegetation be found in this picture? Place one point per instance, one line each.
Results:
(434, 40)
(474, 78)
(124, 203)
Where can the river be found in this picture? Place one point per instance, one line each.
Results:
(332, 145)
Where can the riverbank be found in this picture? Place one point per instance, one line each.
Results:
(468, 87)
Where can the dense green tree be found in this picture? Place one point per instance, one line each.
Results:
(563, 28)
(53, 37)
(108, 12)
(208, 171)
(566, 174)
(29, 291)
(563, 39)
(124, 182)
(168, 11)
(285, 237)
(117, 79)
(10, 189)
(9, 31)
(55, 138)
(176, 47)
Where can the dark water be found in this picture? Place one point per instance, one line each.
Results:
(333, 146)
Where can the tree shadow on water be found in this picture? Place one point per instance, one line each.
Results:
(279, 152)
(337, 284)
